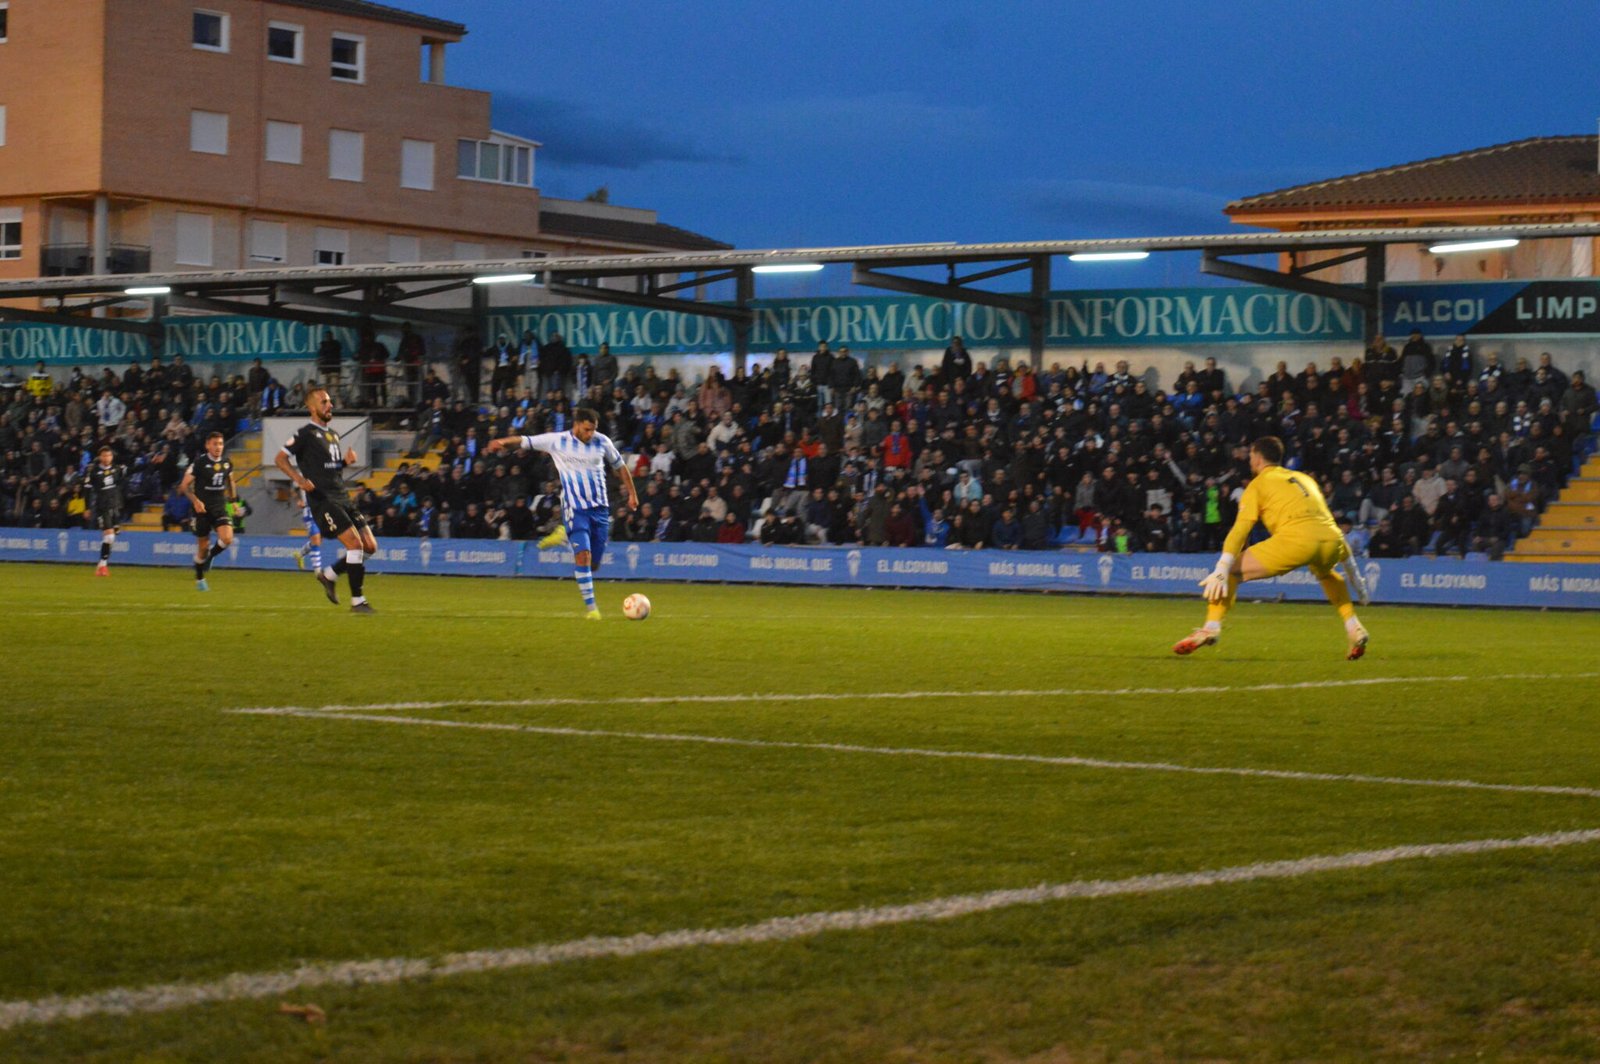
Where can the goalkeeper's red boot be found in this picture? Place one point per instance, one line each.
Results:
(1358, 642)
(1200, 637)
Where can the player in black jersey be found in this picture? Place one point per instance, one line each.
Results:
(313, 459)
(106, 485)
(208, 482)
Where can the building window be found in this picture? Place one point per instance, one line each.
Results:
(416, 164)
(349, 57)
(2, 125)
(210, 32)
(332, 246)
(345, 149)
(269, 242)
(194, 239)
(283, 142)
(497, 161)
(208, 132)
(10, 232)
(404, 248)
(466, 251)
(286, 42)
(3, 13)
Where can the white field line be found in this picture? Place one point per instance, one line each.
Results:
(899, 751)
(245, 986)
(872, 696)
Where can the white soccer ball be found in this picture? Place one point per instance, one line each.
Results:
(636, 607)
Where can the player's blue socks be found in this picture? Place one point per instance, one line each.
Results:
(585, 578)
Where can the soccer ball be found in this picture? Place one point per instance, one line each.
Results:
(636, 607)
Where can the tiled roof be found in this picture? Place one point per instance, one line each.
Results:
(1536, 170)
(635, 234)
(382, 13)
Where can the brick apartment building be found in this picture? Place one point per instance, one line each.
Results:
(168, 135)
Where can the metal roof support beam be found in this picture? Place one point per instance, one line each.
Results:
(1038, 320)
(649, 302)
(372, 308)
(697, 280)
(1364, 297)
(151, 329)
(1324, 264)
(864, 275)
(257, 310)
(745, 291)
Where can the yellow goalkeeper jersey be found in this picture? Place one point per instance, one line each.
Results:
(1285, 501)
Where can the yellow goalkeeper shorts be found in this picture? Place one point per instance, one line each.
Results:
(1287, 551)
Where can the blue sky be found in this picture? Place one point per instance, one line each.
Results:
(839, 123)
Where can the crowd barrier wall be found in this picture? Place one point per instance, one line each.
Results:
(1411, 581)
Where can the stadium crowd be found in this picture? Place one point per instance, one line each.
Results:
(1417, 451)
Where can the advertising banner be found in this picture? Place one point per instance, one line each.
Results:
(1492, 308)
(1415, 581)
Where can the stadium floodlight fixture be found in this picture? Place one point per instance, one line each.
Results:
(149, 290)
(1473, 245)
(504, 278)
(1108, 256)
(787, 267)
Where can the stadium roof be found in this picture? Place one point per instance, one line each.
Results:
(1538, 170)
(381, 13)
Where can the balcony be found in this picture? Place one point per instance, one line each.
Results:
(77, 260)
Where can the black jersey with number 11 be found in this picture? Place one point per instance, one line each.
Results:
(316, 450)
(211, 481)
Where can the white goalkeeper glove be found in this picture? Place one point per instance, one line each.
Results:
(1215, 586)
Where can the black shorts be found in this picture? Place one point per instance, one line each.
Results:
(106, 520)
(335, 518)
(207, 520)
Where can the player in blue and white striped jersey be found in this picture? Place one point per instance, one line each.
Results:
(581, 455)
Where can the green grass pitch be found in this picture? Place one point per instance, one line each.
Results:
(149, 837)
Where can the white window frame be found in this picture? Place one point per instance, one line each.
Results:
(299, 31)
(468, 251)
(416, 164)
(2, 125)
(226, 35)
(330, 246)
(353, 73)
(199, 230)
(275, 146)
(340, 143)
(269, 241)
(208, 132)
(10, 248)
(405, 248)
(509, 158)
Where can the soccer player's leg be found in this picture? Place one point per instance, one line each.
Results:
(1271, 557)
(333, 524)
(578, 534)
(223, 526)
(202, 541)
(106, 521)
(358, 542)
(1334, 587)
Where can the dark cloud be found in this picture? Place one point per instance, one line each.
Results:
(575, 134)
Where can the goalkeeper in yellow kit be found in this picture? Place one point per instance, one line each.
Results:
(1301, 531)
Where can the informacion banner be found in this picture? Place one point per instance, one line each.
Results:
(1492, 308)
(1416, 581)
(1124, 317)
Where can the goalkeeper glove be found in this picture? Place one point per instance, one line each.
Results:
(1215, 586)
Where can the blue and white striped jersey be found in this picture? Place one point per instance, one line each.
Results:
(581, 466)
